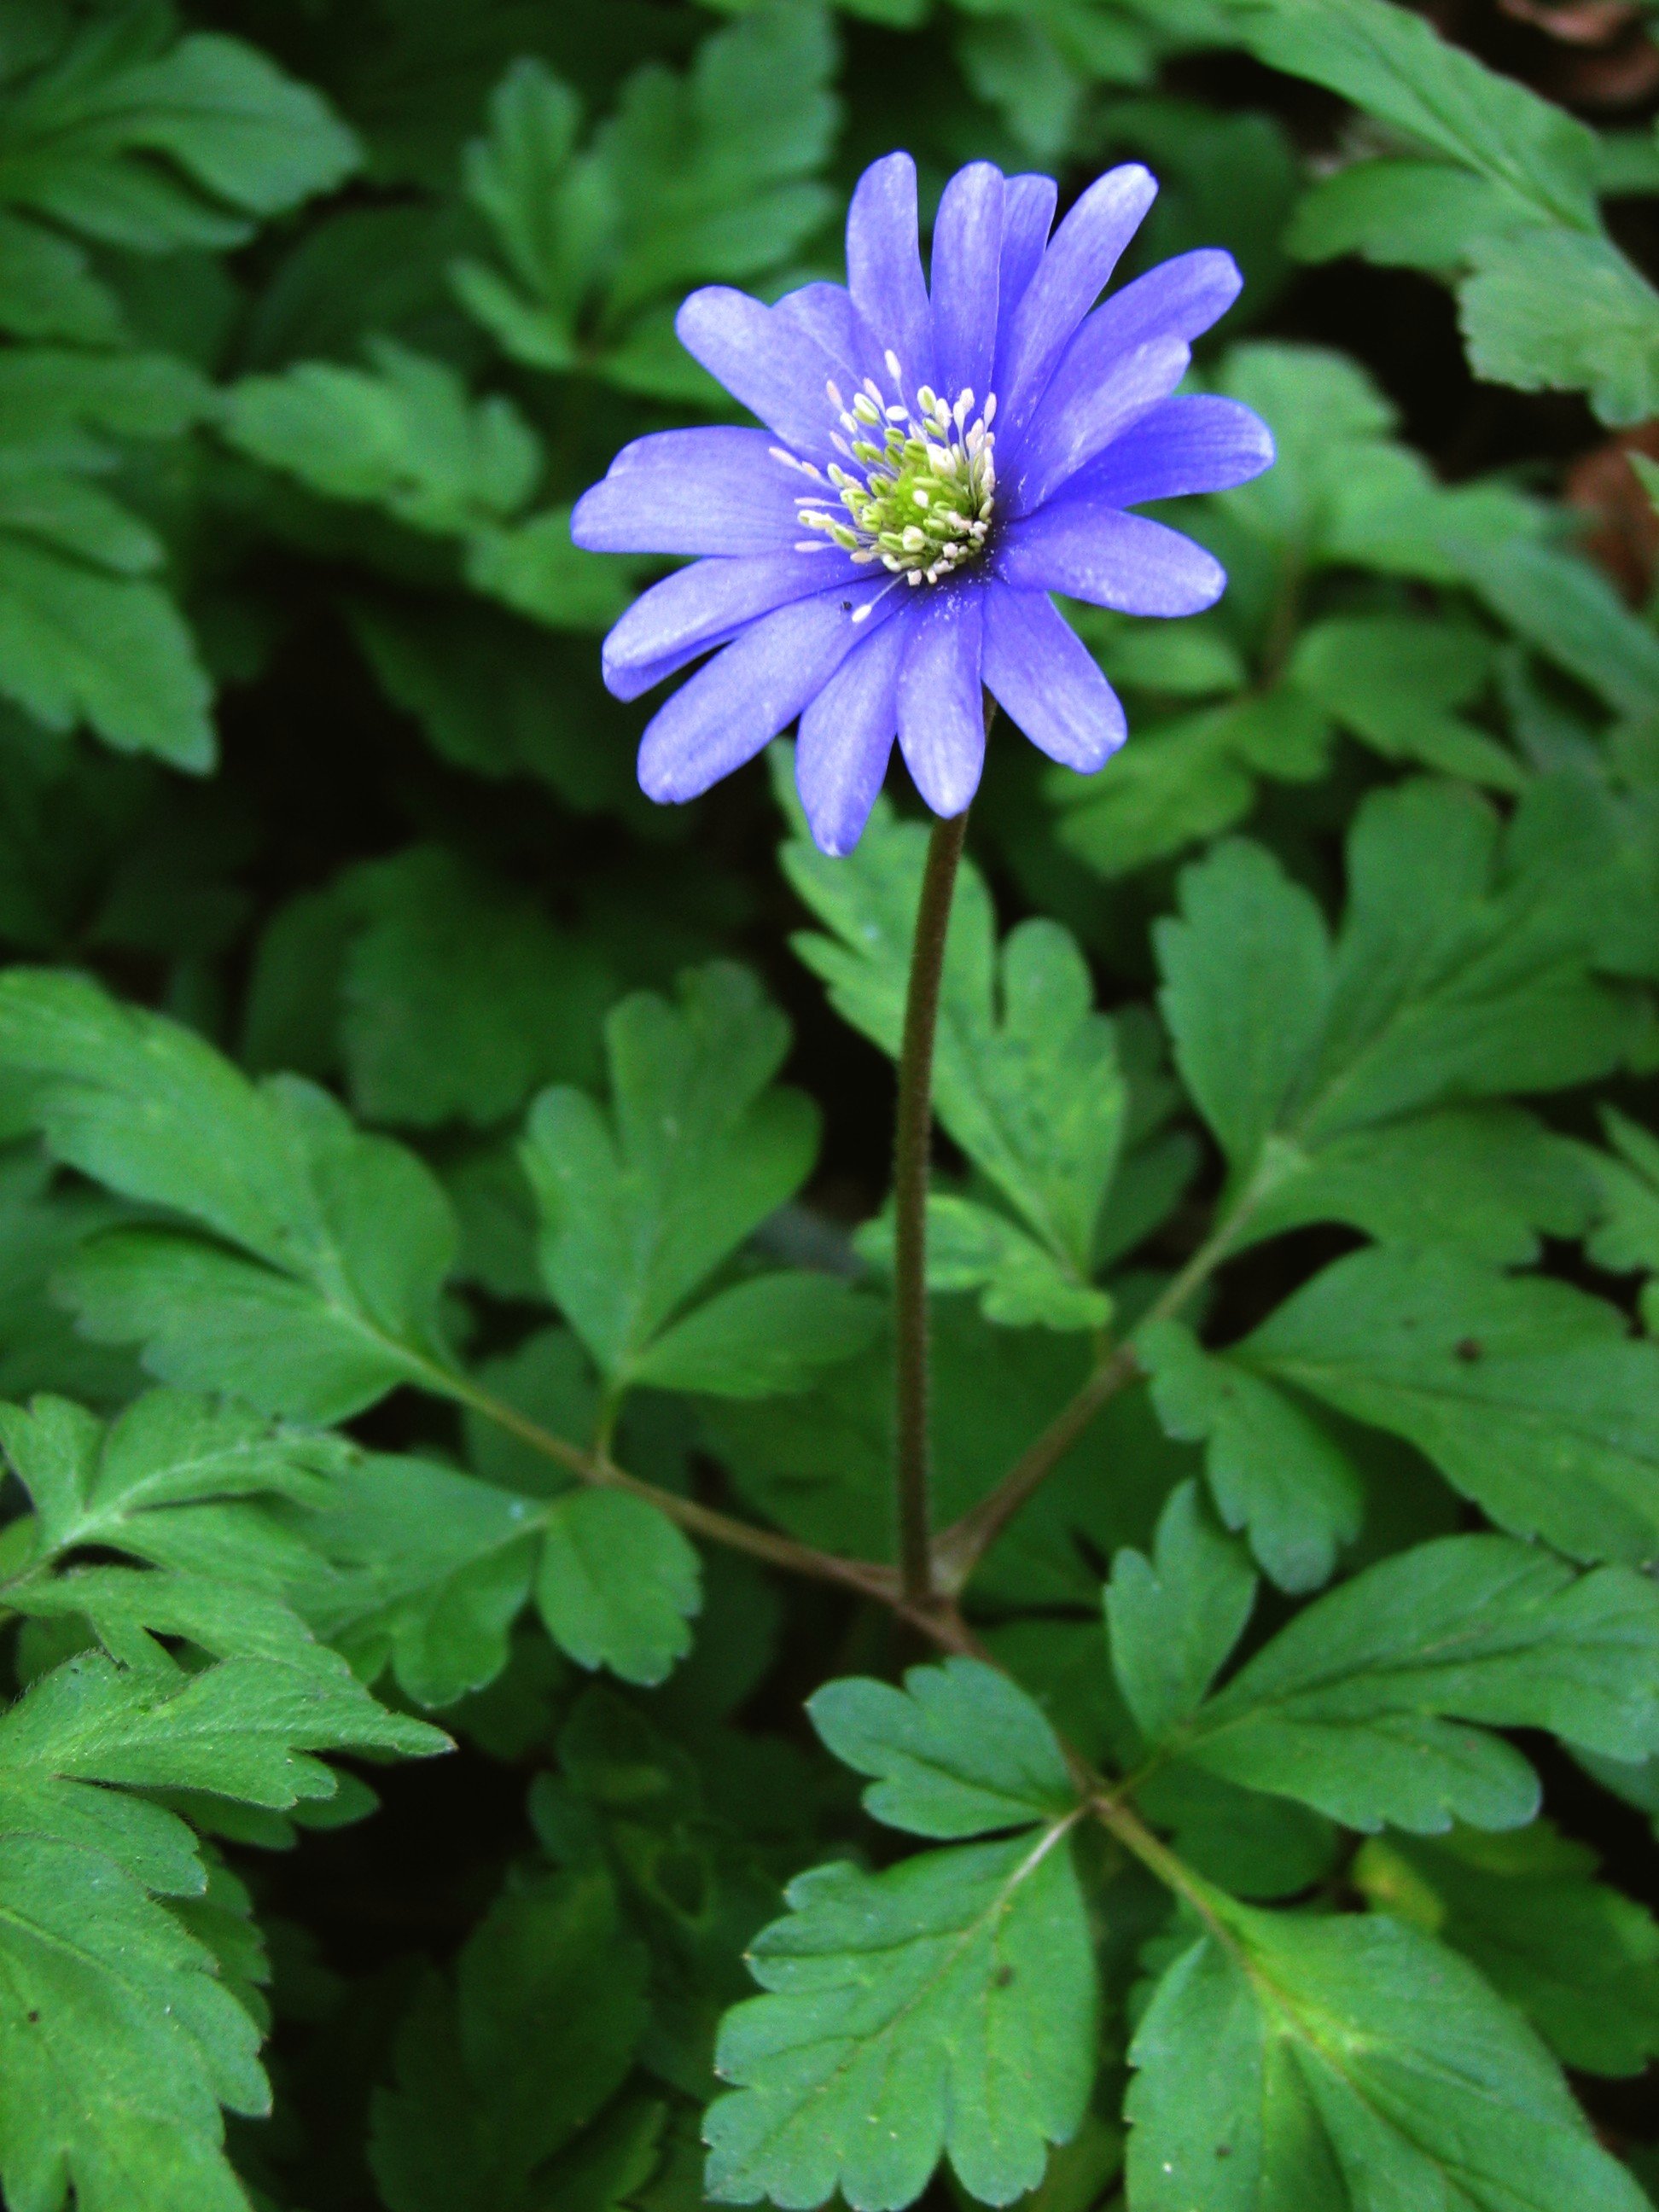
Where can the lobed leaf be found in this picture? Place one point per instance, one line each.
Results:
(1350, 2063)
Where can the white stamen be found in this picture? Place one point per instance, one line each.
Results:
(989, 415)
(835, 399)
(932, 464)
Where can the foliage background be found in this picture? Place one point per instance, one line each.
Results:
(313, 320)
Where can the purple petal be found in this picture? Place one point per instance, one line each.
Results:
(692, 491)
(941, 713)
(1177, 299)
(1028, 215)
(847, 736)
(747, 694)
(884, 267)
(772, 365)
(1190, 443)
(1080, 419)
(1080, 257)
(825, 314)
(700, 607)
(967, 249)
(1180, 298)
(1041, 673)
(1089, 550)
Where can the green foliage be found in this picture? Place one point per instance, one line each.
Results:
(1546, 300)
(310, 1284)
(118, 134)
(1470, 1628)
(704, 178)
(505, 2086)
(639, 1211)
(1581, 1961)
(945, 2007)
(1355, 2060)
(445, 1261)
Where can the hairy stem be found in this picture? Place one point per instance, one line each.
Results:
(912, 1147)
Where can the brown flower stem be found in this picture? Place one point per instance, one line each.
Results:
(912, 1147)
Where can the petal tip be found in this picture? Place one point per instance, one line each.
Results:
(584, 533)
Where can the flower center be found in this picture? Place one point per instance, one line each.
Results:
(920, 488)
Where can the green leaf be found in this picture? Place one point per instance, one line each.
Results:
(1272, 1470)
(42, 1222)
(1345, 2063)
(976, 1248)
(459, 997)
(1247, 976)
(1626, 1182)
(496, 2077)
(537, 570)
(1026, 1075)
(319, 1292)
(103, 1984)
(552, 216)
(80, 645)
(1173, 1619)
(1552, 310)
(1526, 1394)
(706, 177)
(1397, 68)
(138, 141)
(47, 290)
(640, 1207)
(1343, 493)
(1394, 682)
(1462, 971)
(1357, 1707)
(244, 1729)
(960, 1751)
(1403, 214)
(945, 2007)
(1579, 1960)
(1571, 612)
(1189, 778)
(402, 434)
(1490, 1180)
(617, 1584)
(92, 1484)
(765, 1338)
(163, 1485)
(428, 1570)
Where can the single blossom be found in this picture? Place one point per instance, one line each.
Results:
(934, 465)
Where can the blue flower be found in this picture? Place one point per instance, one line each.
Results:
(932, 468)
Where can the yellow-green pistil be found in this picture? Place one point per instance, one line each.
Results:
(918, 495)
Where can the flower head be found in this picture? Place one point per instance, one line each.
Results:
(934, 465)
